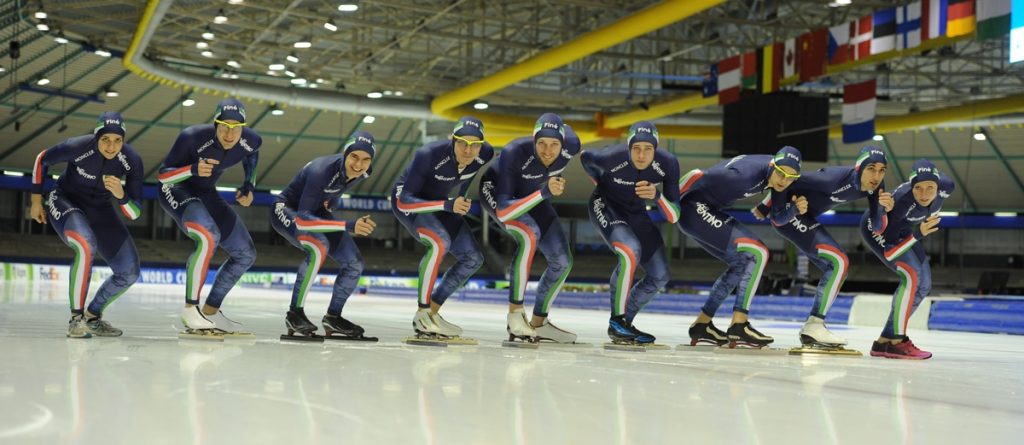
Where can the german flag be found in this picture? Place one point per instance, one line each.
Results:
(960, 16)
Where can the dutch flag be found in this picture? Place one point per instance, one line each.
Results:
(858, 112)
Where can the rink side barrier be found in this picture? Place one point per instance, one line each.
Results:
(991, 314)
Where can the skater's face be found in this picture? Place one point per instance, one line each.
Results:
(642, 154)
(356, 163)
(110, 145)
(548, 150)
(925, 191)
(467, 148)
(872, 176)
(229, 132)
(782, 177)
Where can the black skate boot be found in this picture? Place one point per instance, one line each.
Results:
(299, 327)
(337, 327)
(743, 335)
(622, 332)
(707, 334)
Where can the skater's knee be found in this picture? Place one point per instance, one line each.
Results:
(350, 268)
(560, 263)
(473, 259)
(129, 276)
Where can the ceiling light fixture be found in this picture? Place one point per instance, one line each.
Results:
(276, 66)
(220, 18)
(188, 102)
(481, 105)
(979, 136)
(102, 52)
(276, 111)
(374, 95)
(202, 45)
(330, 26)
(40, 14)
(234, 64)
(369, 119)
(878, 137)
(42, 81)
(348, 7)
(207, 53)
(292, 58)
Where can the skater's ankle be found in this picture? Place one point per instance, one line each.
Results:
(210, 310)
(513, 308)
(739, 317)
(434, 308)
(89, 316)
(537, 321)
(703, 318)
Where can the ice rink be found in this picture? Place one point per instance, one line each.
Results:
(149, 387)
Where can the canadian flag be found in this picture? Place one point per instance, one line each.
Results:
(789, 61)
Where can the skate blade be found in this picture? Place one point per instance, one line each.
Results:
(204, 335)
(554, 344)
(236, 335)
(636, 347)
(820, 350)
(302, 338)
(519, 344)
(699, 347)
(422, 341)
(344, 338)
(751, 350)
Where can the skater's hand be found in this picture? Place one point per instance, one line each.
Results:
(205, 167)
(930, 225)
(646, 190)
(364, 226)
(113, 185)
(36, 211)
(757, 214)
(885, 199)
(245, 200)
(801, 204)
(557, 185)
(461, 206)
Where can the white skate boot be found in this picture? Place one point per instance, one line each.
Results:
(520, 333)
(814, 332)
(447, 329)
(518, 327)
(77, 327)
(197, 326)
(550, 332)
(433, 330)
(227, 326)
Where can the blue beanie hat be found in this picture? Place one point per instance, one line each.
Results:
(642, 131)
(869, 155)
(469, 126)
(109, 122)
(549, 125)
(924, 170)
(230, 110)
(789, 157)
(360, 141)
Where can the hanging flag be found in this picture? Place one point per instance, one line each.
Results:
(858, 112)
(748, 70)
(839, 49)
(993, 18)
(788, 62)
(729, 80)
(884, 33)
(813, 47)
(771, 67)
(710, 86)
(960, 15)
(860, 37)
(908, 26)
(1017, 32)
(933, 19)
